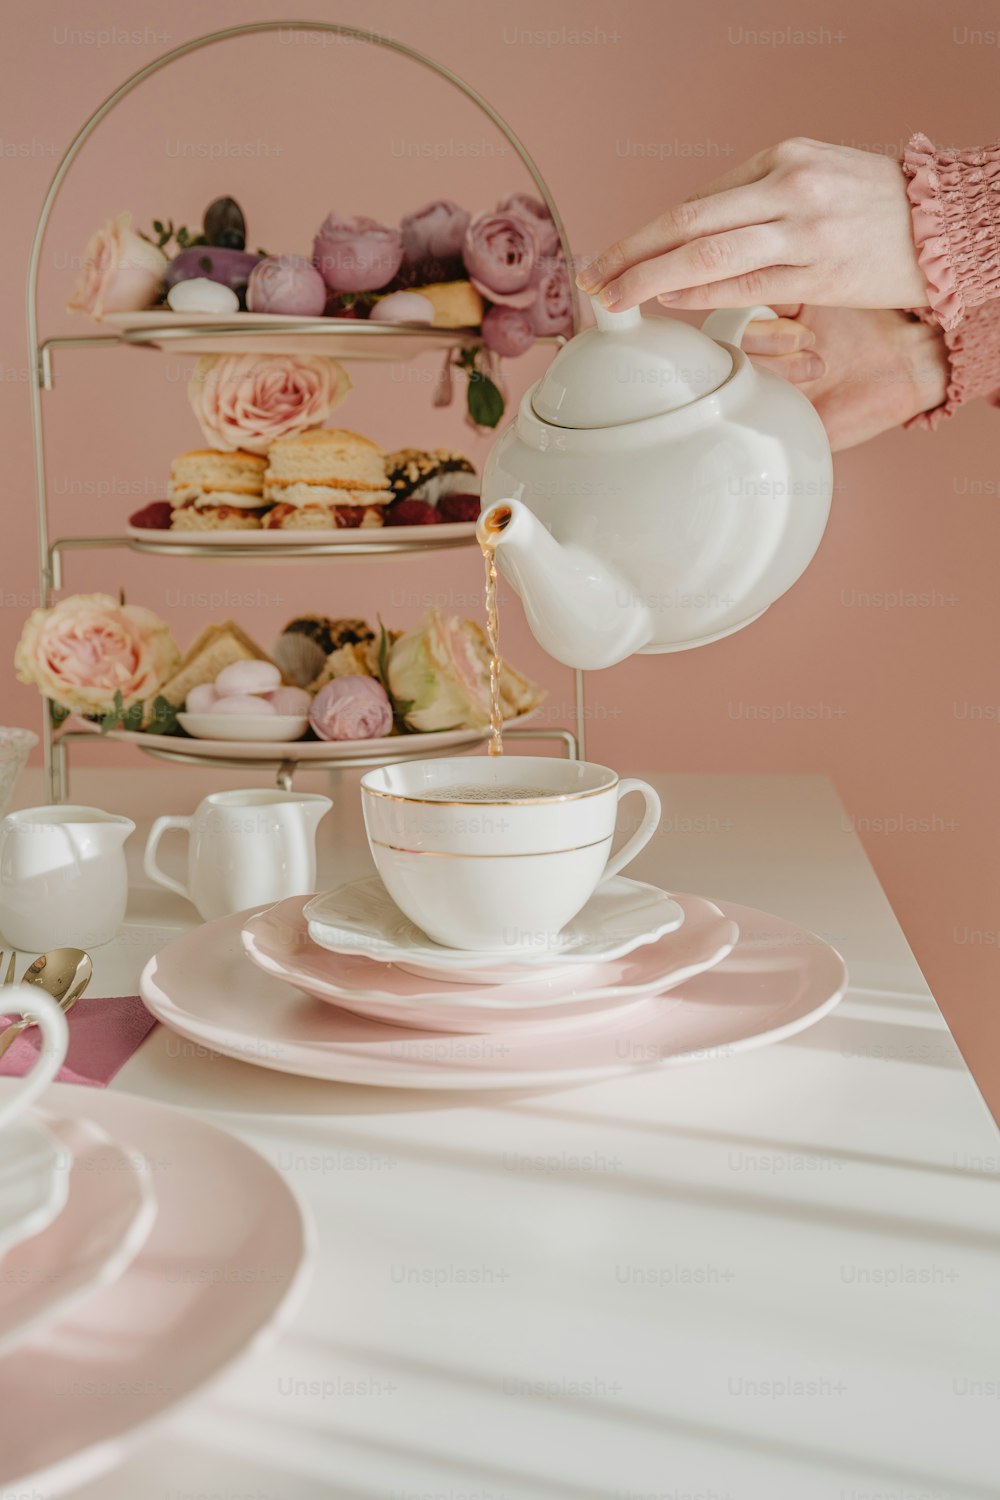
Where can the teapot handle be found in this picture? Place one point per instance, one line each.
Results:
(729, 324)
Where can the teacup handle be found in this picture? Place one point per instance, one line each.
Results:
(149, 864)
(643, 833)
(32, 1001)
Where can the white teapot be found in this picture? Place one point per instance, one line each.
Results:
(655, 491)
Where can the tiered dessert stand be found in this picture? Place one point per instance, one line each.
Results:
(199, 334)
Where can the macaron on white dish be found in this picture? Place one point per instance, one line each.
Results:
(271, 727)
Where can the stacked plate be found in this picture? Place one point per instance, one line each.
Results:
(132, 1242)
(343, 986)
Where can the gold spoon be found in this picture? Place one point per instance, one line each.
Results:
(64, 973)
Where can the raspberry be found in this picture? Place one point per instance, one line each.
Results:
(411, 513)
(153, 517)
(459, 507)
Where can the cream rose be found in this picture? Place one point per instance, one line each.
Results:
(249, 400)
(87, 648)
(122, 272)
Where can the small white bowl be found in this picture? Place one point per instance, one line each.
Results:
(269, 727)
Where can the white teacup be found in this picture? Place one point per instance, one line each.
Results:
(63, 877)
(497, 853)
(244, 848)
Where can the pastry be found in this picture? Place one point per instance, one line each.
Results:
(456, 304)
(305, 643)
(244, 704)
(325, 479)
(244, 678)
(428, 474)
(216, 647)
(212, 491)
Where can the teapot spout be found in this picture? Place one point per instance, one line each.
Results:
(579, 611)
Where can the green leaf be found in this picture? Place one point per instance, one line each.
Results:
(114, 715)
(58, 713)
(163, 719)
(485, 401)
(132, 717)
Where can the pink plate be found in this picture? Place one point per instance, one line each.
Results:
(777, 981)
(107, 1216)
(224, 1261)
(277, 940)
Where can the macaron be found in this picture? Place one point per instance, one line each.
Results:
(202, 699)
(290, 700)
(242, 703)
(244, 677)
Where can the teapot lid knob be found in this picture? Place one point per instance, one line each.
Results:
(609, 321)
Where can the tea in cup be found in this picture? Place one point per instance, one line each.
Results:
(498, 853)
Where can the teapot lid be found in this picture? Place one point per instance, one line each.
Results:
(627, 368)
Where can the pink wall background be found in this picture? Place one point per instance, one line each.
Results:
(879, 668)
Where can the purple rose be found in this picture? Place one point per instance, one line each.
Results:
(552, 310)
(508, 330)
(286, 284)
(351, 708)
(532, 211)
(356, 255)
(499, 253)
(435, 232)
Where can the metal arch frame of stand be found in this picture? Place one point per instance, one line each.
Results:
(55, 753)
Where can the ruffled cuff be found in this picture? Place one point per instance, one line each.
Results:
(955, 205)
(973, 359)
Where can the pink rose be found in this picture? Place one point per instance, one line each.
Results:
(249, 400)
(508, 331)
(499, 254)
(286, 284)
(122, 272)
(87, 648)
(351, 708)
(357, 255)
(552, 310)
(433, 233)
(533, 212)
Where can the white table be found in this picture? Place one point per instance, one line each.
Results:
(766, 1277)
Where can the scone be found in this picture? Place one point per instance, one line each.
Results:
(326, 479)
(211, 491)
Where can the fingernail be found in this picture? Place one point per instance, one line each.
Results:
(611, 295)
(587, 277)
(667, 297)
(806, 338)
(812, 367)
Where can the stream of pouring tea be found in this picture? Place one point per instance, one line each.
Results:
(493, 637)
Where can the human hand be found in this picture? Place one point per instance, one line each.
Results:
(865, 370)
(801, 222)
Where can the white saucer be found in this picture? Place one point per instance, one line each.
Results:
(223, 1265)
(777, 980)
(361, 917)
(34, 1179)
(256, 728)
(107, 1216)
(277, 941)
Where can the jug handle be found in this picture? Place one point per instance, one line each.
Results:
(149, 864)
(729, 324)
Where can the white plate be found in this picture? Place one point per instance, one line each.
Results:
(361, 917)
(281, 333)
(257, 728)
(108, 1215)
(389, 747)
(346, 537)
(777, 981)
(222, 1269)
(34, 1179)
(277, 941)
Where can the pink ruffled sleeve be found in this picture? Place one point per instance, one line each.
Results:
(955, 203)
(973, 359)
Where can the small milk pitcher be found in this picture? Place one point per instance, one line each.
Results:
(245, 848)
(63, 878)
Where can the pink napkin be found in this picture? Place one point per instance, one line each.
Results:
(103, 1034)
